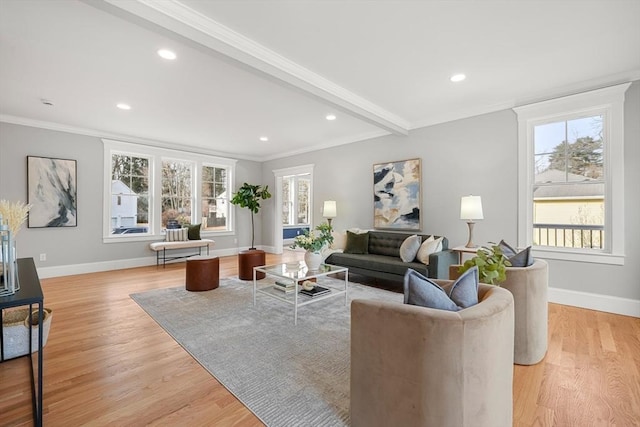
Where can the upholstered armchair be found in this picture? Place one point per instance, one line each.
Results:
(529, 288)
(417, 366)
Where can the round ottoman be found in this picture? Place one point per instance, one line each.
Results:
(249, 259)
(203, 273)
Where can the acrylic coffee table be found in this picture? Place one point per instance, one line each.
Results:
(298, 273)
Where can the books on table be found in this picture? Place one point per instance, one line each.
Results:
(315, 291)
(285, 286)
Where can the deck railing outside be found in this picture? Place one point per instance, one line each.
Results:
(569, 235)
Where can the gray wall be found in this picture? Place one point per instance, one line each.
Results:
(476, 156)
(83, 244)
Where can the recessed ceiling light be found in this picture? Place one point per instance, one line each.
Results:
(264, 139)
(124, 106)
(167, 54)
(331, 117)
(458, 78)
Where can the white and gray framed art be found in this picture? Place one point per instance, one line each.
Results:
(52, 187)
(397, 195)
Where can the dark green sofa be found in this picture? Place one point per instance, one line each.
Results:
(383, 260)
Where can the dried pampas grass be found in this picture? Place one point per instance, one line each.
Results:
(14, 215)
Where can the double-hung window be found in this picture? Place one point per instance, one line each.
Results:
(296, 191)
(571, 180)
(149, 189)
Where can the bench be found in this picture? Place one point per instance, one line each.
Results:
(161, 248)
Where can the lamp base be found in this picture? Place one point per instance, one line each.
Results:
(470, 242)
(329, 221)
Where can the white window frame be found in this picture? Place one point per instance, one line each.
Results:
(156, 156)
(293, 189)
(279, 174)
(608, 102)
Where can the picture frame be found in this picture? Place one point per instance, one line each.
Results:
(397, 195)
(52, 192)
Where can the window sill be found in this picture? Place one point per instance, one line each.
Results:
(132, 238)
(577, 256)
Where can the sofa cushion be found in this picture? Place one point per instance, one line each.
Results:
(428, 247)
(409, 248)
(339, 240)
(418, 290)
(194, 231)
(523, 258)
(463, 293)
(375, 263)
(357, 243)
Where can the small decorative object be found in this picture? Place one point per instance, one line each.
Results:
(307, 285)
(12, 216)
(396, 195)
(249, 196)
(329, 210)
(470, 209)
(52, 192)
(313, 243)
(491, 264)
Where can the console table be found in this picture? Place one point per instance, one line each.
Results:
(30, 293)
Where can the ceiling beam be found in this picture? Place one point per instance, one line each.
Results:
(194, 26)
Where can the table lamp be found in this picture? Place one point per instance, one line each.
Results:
(470, 209)
(329, 210)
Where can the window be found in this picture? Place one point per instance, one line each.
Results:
(176, 193)
(571, 178)
(296, 190)
(215, 198)
(152, 189)
(129, 194)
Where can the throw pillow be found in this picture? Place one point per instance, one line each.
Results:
(409, 248)
(429, 246)
(357, 243)
(194, 232)
(419, 290)
(523, 258)
(177, 235)
(339, 240)
(464, 291)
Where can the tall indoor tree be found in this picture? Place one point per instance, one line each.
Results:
(249, 196)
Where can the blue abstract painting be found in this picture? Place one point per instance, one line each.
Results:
(52, 192)
(396, 195)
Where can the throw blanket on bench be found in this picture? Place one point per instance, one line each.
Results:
(161, 248)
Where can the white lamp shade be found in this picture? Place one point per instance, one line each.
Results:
(471, 208)
(329, 209)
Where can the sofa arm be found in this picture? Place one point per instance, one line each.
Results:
(439, 263)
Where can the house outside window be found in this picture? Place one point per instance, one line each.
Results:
(151, 189)
(571, 180)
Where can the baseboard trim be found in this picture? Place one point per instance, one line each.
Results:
(96, 267)
(598, 302)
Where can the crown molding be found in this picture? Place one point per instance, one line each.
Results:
(186, 22)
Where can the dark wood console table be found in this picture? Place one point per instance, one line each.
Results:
(30, 293)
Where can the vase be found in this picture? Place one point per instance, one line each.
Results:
(313, 260)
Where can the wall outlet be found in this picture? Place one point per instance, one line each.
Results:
(43, 257)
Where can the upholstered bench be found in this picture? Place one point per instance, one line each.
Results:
(160, 248)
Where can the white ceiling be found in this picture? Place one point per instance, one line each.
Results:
(276, 68)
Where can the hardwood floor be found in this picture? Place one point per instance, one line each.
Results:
(108, 363)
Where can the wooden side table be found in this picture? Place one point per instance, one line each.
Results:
(464, 250)
(249, 259)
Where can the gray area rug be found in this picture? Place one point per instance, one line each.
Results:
(286, 375)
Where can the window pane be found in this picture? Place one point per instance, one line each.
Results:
(176, 193)
(129, 194)
(548, 137)
(215, 203)
(287, 204)
(303, 201)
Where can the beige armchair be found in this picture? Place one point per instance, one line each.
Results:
(529, 288)
(416, 366)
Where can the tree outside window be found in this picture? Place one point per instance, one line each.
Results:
(129, 194)
(176, 193)
(215, 202)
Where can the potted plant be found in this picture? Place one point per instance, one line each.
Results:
(492, 265)
(249, 196)
(313, 243)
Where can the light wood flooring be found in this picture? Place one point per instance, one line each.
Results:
(108, 363)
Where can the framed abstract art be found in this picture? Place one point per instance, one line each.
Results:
(397, 195)
(52, 187)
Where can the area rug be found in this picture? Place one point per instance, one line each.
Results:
(286, 374)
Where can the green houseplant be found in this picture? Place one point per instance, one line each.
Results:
(492, 265)
(249, 196)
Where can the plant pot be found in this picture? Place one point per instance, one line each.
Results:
(15, 331)
(313, 260)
